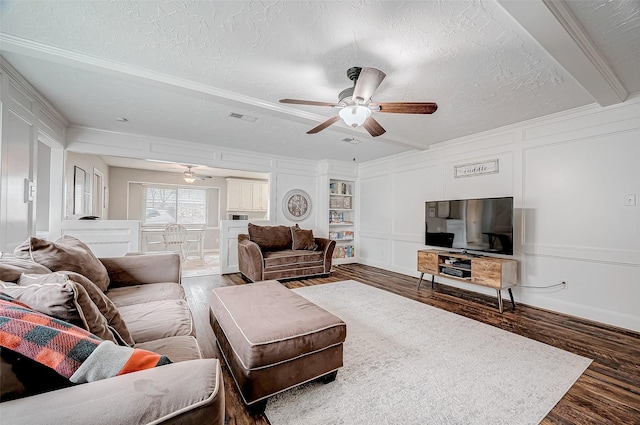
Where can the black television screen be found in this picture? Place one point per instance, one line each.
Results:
(484, 224)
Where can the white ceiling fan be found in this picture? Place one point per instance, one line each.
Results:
(190, 176)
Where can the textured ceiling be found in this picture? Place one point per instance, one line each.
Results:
(177, 69)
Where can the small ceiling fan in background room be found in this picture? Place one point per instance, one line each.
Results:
(190, 176)
(356, 105)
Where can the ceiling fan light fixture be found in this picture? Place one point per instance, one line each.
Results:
(189, 176)
(355, 115)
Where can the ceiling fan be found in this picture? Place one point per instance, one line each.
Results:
(190, 176)
(356, 105)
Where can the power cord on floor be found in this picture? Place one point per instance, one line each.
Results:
(563, 284)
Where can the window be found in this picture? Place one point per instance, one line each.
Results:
(171, 204)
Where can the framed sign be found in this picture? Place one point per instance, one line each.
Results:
(476, 169)
(296, 205)
(81, 192)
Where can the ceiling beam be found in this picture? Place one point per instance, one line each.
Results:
(115, 69)
(552, 24)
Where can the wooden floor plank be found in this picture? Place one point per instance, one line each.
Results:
(608, 392)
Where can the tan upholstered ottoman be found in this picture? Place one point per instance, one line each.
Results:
(273, 339)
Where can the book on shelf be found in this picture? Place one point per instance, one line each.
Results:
(346, 251)
(336, 217)
(335, 203)
(339, 188)
(341, 235)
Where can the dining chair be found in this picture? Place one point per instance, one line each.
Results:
(175, 237)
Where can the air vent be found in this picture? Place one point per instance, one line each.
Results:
(351, 140)
(248, 118)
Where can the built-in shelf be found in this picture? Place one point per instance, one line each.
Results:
(341, 219)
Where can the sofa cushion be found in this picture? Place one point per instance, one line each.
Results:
(301, 258)
(303, 239)
(270, 238)
(67, 253)
(11, 267)
(104, 304)
(177, 348)
(139, 294)
(71, 351)
(138, 269)
(67, 301)
(157, 319)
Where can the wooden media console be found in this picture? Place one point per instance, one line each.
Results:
(497, 273)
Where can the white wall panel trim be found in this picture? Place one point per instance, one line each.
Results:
(589, 121)
(611, 317)
(408, 237)
(298, 167)
(13, 74)
(600, 255)
(375, 235)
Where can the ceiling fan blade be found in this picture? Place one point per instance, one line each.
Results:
(406, 107)
(324, 125)
(307, 102)
(367, 83)
(373, 127)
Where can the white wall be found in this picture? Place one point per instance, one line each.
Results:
(569, 174)
(88, 163)
(285, 173)
(26, 118)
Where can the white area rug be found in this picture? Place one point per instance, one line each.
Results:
(409, 363)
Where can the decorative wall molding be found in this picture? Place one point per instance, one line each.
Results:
(297, 166)
(340, 170)
(589, 254)
(10, 71)
(538, 159)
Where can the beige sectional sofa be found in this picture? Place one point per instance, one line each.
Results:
(135, 301)
(283, 252)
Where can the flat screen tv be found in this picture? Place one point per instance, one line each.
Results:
(482, 225)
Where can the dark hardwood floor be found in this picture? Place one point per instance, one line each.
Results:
(607, 393)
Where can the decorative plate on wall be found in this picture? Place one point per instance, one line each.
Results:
(296, 205)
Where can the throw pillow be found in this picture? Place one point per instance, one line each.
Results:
(104, 304)
(65, 301)
(303, 239)
(67, 253)
(71, 351)
(270, 238)
(11, 267)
